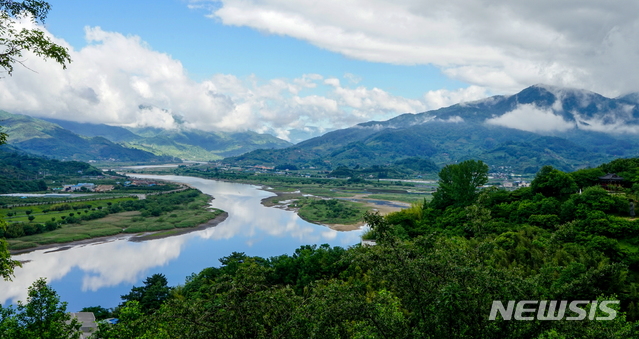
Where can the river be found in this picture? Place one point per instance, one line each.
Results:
(99, 273)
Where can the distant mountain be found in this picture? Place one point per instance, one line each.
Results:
(188, 144)
(566, 128)
(192, 144)
(113, 133)
(48, 139)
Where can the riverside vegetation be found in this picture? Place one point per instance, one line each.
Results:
(65, 222)
(322, 200)
(434, 273)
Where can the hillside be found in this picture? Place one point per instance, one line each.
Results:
(541, 125)
(23, 172)
(48, 139)
(188, 144)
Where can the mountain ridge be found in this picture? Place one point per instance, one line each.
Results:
(564, 127)
(187, 144)
(44, 138)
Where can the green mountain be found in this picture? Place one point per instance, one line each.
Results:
(191, 144)
(541, 125)
(23, 172)
(188, 144)
(44, 138)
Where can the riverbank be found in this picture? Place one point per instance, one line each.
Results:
(289, 201)
(163, 213)
(120, 236)
(353, 199)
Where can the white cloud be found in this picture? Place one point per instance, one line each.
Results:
(120, 80)
(352, 78)
(454, 119)
(532, 119)
(501, 45)
(443, 98)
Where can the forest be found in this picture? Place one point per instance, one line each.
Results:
(434, 272)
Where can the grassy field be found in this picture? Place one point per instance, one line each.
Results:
(409, 198)
(187, 215)
(331, 211)
(291, 187)
(42, 213)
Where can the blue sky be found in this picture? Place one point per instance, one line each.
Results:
(298, 68)
(206, 47)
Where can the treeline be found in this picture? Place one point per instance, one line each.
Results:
(8, 185)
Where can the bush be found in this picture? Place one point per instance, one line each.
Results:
(547, 221)
(14, 230)
(29, 229)
(51, 225)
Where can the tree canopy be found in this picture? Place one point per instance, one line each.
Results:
(43, 316)
(458, 183)
(552, 182)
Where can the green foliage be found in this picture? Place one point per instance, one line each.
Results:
(625, 167)
(418, 164)
(150, 296)
(553, 183)
(332, 211)
(15, 41)
(43, 316)
(434, 273)
(587, 177)
(99, 312)
(458, 183)
(6, 264)
(107, 221)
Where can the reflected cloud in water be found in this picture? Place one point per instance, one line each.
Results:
(120, 263)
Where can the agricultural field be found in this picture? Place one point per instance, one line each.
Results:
(31, 226)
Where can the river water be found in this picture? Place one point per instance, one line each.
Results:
(99, 273)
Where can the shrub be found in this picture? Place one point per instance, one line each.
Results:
(50, 225)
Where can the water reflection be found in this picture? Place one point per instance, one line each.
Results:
(97, 274)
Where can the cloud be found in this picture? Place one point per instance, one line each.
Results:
(500, 45)
(121, 80)
(532, 119)
(443, 97)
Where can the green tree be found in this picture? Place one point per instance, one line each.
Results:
(43, 316)
(6, 264)
(150, 296)
(99, 312)
(458, 183)
(587, 177)
(16, 41)
(552, 182)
